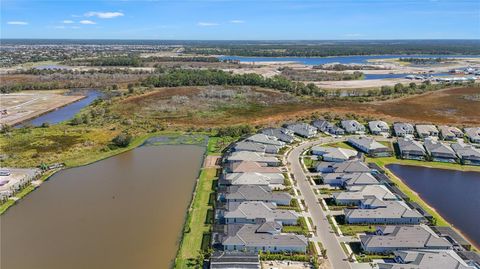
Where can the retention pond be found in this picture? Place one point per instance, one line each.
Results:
(123, 212)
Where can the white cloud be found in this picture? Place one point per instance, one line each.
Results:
(87, 22)
(207, 24)
(237, 21)
(75, 27)
(68, 21)
(17, 22)
(104, 15)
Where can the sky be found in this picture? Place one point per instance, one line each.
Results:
(241, 19)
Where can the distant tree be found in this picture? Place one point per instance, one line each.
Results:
(122, 140)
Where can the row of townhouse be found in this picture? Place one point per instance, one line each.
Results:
(250, 192)
(438, 151)
(445, 132)
(403, 231)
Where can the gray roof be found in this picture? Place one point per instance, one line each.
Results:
(322, 125)
(251, 156)
(360, 192)
(232, 260)
(265, 139)
(260, 210)
(473, 132)
(302, 128)
(414, 237)
(281, 134)
(426, 259)
(368, 143)
(383, 210)
(438, 148)
(450, 131)
(253, 178)
(400, 127)
(426, 129)
(337, 153)
(377, 126)
(466, 151)
(255, 193)
(351, 179)
(250, 146)
(352, 126)
(409, 145)
(259, 235)
(346, 167)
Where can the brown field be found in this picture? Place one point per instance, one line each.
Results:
(26, 105)
(191, 106)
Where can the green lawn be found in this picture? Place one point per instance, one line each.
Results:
(351, 230)
(195, 225)
(217, 144)
(339, 145)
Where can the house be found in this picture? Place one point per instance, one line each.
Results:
(303, 129)
(251, 178)
(426, 130)
(234, 259)
(251, 212)
(281, 134)
(242, 193)
(327, 127)
(344, 167)
(370, 146)
(355, 194)
(249, 166)
(473, 134)
(256, 147)
(402, 129)
(467, 153)
(352, 127)
(450, 132)
(265, 139)
(378, 127)
(349, 179)
(452, 236)
(388, 239)
(411, 149)
(439, 151)
(375, 211)
(241, 156)
(265, 237)
(426, 259)
(330, 154)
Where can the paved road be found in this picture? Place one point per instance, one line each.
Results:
(337, 257)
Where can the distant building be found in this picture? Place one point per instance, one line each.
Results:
(265, 237)
(473, 134)
(411, 149)
(353, 127)
(330, 154)
(270, 179)
(244, 193)
(327, 127)
(249, 166)
(265, 139)
(241, 156)
(426, 130)
(378, 127)
(256, 147)
(403, 129)
(370, 146)
(393, 238)
(349, 179)
(303, 129)
(450, 132)
(234, 259)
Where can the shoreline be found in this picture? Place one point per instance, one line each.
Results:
(426, 205)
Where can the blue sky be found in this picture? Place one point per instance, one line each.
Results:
(236, 19)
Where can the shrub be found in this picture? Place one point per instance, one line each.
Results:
(122, 140)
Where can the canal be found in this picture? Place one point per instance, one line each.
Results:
(126, 211)
(455, 195)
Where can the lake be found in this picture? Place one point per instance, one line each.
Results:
(123, 212)
(63, 113)
(455, 195)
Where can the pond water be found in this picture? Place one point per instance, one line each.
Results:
(455, 195)
(63, 113)
(123, 212)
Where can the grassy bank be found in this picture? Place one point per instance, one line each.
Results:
(198, 223)
(451, 166)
